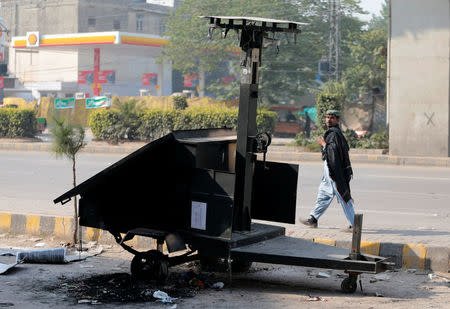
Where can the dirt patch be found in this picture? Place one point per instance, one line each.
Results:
(123, 288)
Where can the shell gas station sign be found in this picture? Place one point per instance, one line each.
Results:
(32, 39)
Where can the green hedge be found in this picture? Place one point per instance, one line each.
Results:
(156, 123)
(17, 123)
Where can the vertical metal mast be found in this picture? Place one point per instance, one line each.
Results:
(334, 39)
(253, 32)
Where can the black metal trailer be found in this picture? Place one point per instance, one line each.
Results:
(199, 190)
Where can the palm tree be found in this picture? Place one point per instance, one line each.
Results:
(67, 141)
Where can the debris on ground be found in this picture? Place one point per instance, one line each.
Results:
(7, 253)
(218, 285)
(119, 288)
(316, 298)
(192, 279)
(379, 294)
(40, 244)
(163, 297)
(47, 256)
(5, 267)
(323, 275)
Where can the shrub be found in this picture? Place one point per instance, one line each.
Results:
(352, 138)
(180, 102)
(380, 140)
(129, 120)
(265, 121)
(332, 96)
(104, 124)
(17, 122)
(156, 122)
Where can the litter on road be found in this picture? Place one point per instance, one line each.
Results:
(163, 297)
(323, 275)
(5, 267)
(316, 298)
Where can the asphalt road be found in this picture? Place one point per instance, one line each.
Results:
(396, 197)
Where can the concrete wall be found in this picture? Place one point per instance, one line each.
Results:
(36, 15)
(418, 78)
(72, 16)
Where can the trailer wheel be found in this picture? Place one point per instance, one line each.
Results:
(349, 285)
(150, 265)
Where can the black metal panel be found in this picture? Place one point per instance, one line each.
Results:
(220, 247)
(300, 252)
(244, 157)
(214, 189)
(275, 192)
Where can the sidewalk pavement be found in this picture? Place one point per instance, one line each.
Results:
(409, 249)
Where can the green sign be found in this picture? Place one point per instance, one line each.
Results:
(97, 102)
(65, 103)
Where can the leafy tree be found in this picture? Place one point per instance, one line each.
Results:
(285, 75)
(382, 21)
(368, 71)
(332, 96)
(67, 141)
(368, 55)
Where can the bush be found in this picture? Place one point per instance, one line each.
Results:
(380, 140)
(310, 143)
(104, 124)
(17, 122)
(156, 122)
(352, 138)
(180, 102)
(332, 96)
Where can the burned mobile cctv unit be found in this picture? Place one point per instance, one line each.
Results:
(202, 188)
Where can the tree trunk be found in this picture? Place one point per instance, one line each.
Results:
(75, 216)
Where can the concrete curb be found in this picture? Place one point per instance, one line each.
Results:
(403, 255)
(361, 158)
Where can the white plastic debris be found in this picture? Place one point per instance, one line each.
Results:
(173, 306)
(379, 294)
(7, 253)
(40, 244)
(431, 276)
(382, 277)
(5, 267)
(218, 285)
(163, 297)
(322, 275)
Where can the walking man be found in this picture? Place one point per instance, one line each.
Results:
(336, 174)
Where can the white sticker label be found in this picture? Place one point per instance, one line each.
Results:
(198, 215)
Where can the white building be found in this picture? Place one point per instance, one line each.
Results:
(127, 32)
(63, 64)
